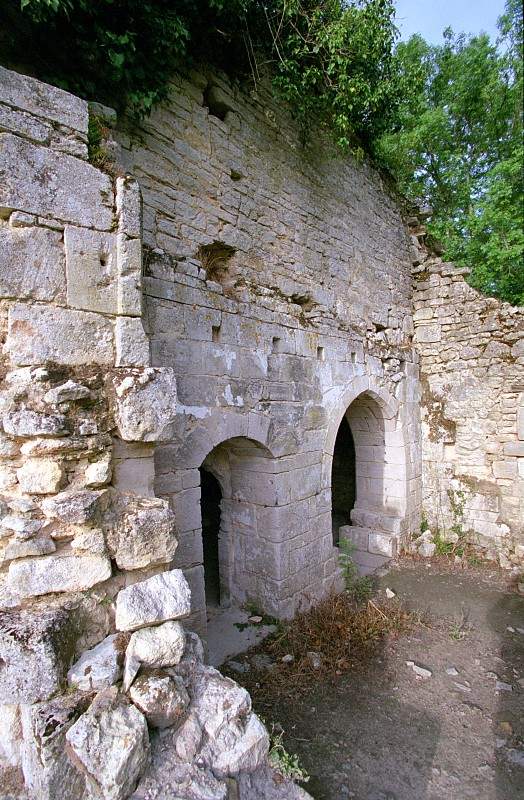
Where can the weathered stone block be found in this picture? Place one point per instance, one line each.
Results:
(43, 100)
(143, 533)
(57, 573)
(128, 207)
(146, 404)
(92, 273)
(129, 256)
(67, 392)
(40, 476)
(514, 449)
(131, 342)
(22, 548)
(161, 646)
(32, 423)
(157, 599)
(10, 735)
(100, 667)
(48, 770)
(50, 184)
(76, 508)
(162, 698)
(426, 334)
(111, 745)
(98, 473)
(46, 333)
(382, 544)
(35, 649)
(24, 125)
(32, 264)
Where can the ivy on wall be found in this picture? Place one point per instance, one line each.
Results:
(329, 59)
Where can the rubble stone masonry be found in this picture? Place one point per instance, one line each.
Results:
(472, 376)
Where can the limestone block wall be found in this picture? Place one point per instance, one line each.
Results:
(472, 374)
(92, 652)
(277, 288)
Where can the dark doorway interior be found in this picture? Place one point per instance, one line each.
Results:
(343, 479)
(211, 496)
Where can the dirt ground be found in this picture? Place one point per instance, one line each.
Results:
(383, 733)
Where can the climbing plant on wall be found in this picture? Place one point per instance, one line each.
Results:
(329, 59)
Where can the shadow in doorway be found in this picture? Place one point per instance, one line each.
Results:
(211, 497)
(343, 479)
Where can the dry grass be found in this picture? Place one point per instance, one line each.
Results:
(341, 632)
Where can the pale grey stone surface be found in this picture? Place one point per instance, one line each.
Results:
(70, 390)
(145, 404)
(100, 667)
(92, 272)
(131, 343)
(98, 473)
(40, 476)
(111, 745)
(57, 573)
(143, 533)
(40, 181)
(10, 734)
(29, 547)
(162, 699)
(43, 100)
(163, 597)
(37, 647)
(32, 264)
(76, 507)
(31, 423)
(48, 770)
(161, 646)
(43, 333)
(266, 784)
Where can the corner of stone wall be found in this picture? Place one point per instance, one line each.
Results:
(88, 596)
(471, 351)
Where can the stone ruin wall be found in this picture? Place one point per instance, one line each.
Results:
(472, 375)
(268, 295)
(88, 591)
(277, 288)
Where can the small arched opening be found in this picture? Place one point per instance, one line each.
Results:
(233, 479)
(368, 481)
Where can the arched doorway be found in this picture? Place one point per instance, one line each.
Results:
(368, 482)
(210, 501)
(233, 482)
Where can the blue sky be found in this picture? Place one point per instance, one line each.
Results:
(430, 17)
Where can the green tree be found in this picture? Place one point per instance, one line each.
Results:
(458, 148)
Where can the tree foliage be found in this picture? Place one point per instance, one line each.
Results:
(330, 59)
(458, 148)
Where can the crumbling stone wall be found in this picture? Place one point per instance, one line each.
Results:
(472, 374)
(277, 288)
(93, 656)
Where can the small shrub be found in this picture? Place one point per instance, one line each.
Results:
(285, 763)
(359, 587)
